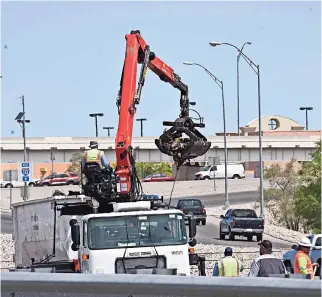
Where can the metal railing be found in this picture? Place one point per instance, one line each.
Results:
(51, 284)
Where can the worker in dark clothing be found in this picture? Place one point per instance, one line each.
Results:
(266, 263)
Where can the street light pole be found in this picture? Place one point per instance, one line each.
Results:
(221, 86)
(306, 115)
(141, 120)
(108, 130)
(95, 115)
(256, 70)
(238, 113)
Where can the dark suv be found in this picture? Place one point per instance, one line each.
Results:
(60, 179)
(193, 207)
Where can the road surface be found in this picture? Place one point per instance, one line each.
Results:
(208, 234)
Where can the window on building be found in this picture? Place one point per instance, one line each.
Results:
(10, 175)
(273, 124)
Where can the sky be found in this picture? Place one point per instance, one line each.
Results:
(66, 58)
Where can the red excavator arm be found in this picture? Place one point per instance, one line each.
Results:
(138, 52)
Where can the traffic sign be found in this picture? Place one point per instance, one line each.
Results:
(25, 171)
(25, 178)
(25, 164)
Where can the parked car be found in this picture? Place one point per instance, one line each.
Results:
(235, 171)
(158, 177)
(16, 184)
(241, 222)
(60, 179)
(192, 207)
(315, 254)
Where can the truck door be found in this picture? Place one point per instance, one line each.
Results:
(212, 172)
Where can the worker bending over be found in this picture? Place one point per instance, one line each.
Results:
(94, 155)
(228, 266)
(302, 261)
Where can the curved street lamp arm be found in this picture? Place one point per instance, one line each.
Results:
(241, 50)
(246, 58)
(212, 76)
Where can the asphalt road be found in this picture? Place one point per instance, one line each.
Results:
(208, 234)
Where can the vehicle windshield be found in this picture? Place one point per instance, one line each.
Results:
(136, 231)
(244, 213)
(206, 168)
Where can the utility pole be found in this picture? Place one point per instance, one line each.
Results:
(306, 116)
(21, 119)
(141, 120)
(108, 130)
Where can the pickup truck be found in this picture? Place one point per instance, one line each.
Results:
(315, 254)
(192, 207)
(241, 222)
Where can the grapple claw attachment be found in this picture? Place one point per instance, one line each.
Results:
(172, 142)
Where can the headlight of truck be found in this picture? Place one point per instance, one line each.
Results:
(161, 263)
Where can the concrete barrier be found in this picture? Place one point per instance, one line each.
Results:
(181, 189)
(97, 285)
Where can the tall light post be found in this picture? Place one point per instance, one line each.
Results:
(306, 116)
(21, 119)
(108, 130)
(221, 86)
(141, 120)
(95, 115)
(238, 114)
(256, 70)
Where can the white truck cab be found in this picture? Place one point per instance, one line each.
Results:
(131, 238)
(235, 171)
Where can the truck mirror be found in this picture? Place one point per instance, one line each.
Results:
(192, 228)
(75, 232)
(221, 216)
(74, 247)
(192, 242)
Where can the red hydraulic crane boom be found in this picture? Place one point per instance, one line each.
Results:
(170, 142)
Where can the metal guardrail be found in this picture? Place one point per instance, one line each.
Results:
(95, 285)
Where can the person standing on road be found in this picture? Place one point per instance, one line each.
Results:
(266, 263)
(228, 266)
(302, 261)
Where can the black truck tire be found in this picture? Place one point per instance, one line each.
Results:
(221, 235)
(203, 222)
(259, 237)
(250, 237)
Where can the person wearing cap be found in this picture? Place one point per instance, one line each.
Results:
(266, 263)
(95, 155)
(302, 261)
(228, 266)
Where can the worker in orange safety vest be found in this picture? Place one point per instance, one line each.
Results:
(302, 261)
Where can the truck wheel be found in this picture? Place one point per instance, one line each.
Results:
(250, 237)
(203, 222)
(259, 237)
(236, 176)
(205, 177)
(8, 186)
(45, 184)
(221, 236)
(70, 183)
(231, 235)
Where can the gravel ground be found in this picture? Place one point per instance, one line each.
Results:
(211, 253)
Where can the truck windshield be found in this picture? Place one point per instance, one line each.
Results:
(136, 231)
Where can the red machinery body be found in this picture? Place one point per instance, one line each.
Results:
(171, 141)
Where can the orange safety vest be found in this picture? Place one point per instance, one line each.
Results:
(309, 267)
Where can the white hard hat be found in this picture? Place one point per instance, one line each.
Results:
(305, 242)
